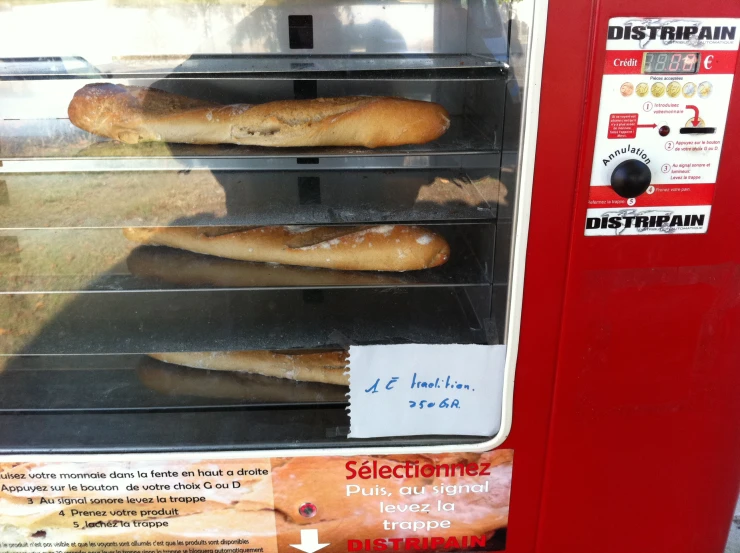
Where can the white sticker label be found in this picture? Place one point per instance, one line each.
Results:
(416, 390)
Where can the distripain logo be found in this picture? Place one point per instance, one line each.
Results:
(665, 221)
(416, 544)
(671, 32)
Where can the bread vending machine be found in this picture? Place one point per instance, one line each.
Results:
(364, 275)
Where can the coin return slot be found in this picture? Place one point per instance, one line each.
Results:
(300, 32)
(697, 130)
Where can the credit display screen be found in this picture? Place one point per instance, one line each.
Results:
(670, 62)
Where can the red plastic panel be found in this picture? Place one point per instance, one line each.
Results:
(643, 449)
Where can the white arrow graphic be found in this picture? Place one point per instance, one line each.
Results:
(309, 542)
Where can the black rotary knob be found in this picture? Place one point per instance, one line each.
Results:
(631, 178)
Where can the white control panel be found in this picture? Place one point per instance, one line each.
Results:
(664, 99)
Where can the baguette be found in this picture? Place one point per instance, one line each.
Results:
(177, 380)
(327, 367)
(135, 114)
(193, 269)
(370, 248)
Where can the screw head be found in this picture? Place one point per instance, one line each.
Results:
(307, 510)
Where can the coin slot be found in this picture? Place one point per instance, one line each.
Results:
(697, 130)
(309, 191)
(307, 160)
(300, 32)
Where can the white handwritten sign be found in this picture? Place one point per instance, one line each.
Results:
(416, 390)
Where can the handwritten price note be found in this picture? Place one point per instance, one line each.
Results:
(417, 390)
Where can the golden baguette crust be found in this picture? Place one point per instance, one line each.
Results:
(194, 269)
(372, 248)
(177, 380)
(135, 114)
(327, 367)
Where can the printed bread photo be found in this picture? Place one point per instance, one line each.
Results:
(264, 506)
(231, 514)
(367, 248)
(343, 513)
(133, 114)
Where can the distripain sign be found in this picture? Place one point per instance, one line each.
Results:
(417, 544)
(646, 221)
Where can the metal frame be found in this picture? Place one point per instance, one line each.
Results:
(529, 127)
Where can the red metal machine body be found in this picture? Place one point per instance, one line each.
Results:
(632, 442)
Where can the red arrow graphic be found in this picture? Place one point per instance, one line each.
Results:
(695, 121)
(651, 126)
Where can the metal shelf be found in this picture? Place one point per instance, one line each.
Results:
(102, 260)
(136, 382)
(201, 198)
(291, 67)
(170, 431)
(39, 145)
(225, 320)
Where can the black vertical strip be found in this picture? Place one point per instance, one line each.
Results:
(300, 32)
(305, 90)
(309, 191)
